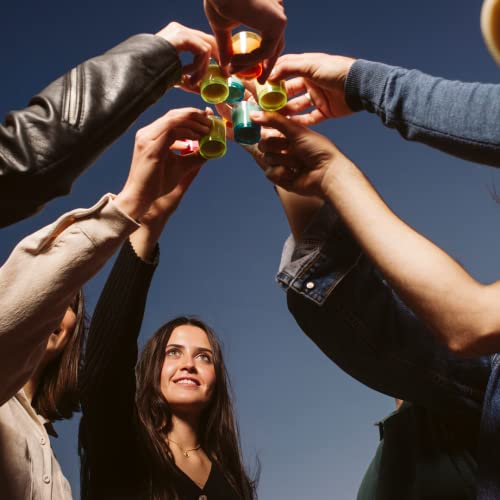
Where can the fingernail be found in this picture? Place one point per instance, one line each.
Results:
(257, 115)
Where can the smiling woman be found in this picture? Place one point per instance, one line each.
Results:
(183, 399)
(164, 430)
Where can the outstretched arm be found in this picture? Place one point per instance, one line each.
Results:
(460, 311)
(107, 430)
(46, 146)
(458, 118)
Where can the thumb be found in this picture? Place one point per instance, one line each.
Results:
(287, 127)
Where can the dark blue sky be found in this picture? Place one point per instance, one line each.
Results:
(309, 423)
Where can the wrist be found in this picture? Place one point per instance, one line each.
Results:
(131, 205)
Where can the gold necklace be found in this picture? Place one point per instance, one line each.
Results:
(185, 452)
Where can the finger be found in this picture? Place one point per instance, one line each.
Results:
(210, 40)
(186, 145)
(297, 105)
(224, 110)
(309, 119)
(178, 133)
(274, 120)
(292, 65)
(198, 68)
(274, 144)
(161, 125)
(295, 86)
(225, 46)
(269, 63)
(281, 160)
(185, 84)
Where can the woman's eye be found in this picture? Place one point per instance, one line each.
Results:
(173, 352)
(205, 357)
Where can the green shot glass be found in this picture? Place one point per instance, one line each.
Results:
(236, 90)
(245, 130)
(271, 95)
(214, 88)
(213, 145)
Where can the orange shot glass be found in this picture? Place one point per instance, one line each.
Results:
(245, 42)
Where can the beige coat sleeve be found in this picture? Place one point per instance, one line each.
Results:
(40, 277)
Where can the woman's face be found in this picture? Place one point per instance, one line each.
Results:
(188, 373)
(59, 338)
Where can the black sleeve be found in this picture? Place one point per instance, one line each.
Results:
(44, 147)
(108, 445)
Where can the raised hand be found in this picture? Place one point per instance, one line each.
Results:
(200, 44)
(295, 157)
(265, 16)
(318, 84)
(156, 170)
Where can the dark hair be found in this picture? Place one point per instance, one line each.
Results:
(57, 395)
(219, 435)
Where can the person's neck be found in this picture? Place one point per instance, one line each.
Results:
(184, 431)
(31, 386)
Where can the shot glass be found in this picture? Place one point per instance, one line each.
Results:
(236, 90)
(271, 95)
(245, 130)
(245, 42)
(213, 145)
(214, 88)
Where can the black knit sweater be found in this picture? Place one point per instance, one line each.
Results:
(112, 464)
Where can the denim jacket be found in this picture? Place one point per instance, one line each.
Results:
(347, 308)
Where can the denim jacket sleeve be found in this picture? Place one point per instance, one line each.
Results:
(462, 119)
(47, 145)
(347, 309)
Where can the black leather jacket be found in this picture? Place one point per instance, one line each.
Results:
(44, 147)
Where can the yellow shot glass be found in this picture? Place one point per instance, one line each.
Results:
(245, 42)
(213, 145)
(271, 95)
(214, 88)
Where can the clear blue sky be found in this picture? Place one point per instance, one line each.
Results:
(309, 423)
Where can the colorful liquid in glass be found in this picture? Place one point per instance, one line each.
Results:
(245, 130)
(245, 42)
(213, 145)
(214, 88)
(236, 90)
(272, 95)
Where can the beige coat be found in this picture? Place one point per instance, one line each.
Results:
(37, 283)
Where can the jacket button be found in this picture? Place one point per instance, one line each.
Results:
(42, 440)
(310, 285)
(46, 478)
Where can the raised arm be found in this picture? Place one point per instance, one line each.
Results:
(266, 16)
(41, 276)
(110, 456)
(459, 310)
(46, 146)
(346, 308)
(462, 119)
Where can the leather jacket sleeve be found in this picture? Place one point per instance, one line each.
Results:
(44, 147)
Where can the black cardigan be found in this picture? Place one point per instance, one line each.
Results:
(112, 464)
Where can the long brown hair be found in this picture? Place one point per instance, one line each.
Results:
(219, 435)
(57, 396)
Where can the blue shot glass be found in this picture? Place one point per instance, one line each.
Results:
(236, 90)
(245, 130)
